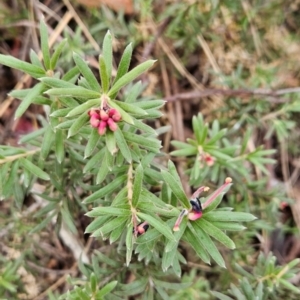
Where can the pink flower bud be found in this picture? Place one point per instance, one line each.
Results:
(117, 116)
(103, 115)
(94, 112)
(194, 215)
(112, 111)
(112, 125)
(94, 121)
(102, 127)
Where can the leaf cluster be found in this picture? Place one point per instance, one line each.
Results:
(264, 281)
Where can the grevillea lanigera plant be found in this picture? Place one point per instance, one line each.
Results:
(94, 154)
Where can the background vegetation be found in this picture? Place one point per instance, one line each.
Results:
(229, 73)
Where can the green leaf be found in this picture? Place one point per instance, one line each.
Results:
(72, 74)
(57, 83)
(148, 143)
(217, 154)
(18, 195)
(109, 211)
(134, 288)
(107, 289)
(198, 126)
(44, 44)
(108, 189)
(204, 134)
(37, 90)
(168, 258)
(46, 209)
(177, 234)
(93, 282)
(129, 244)
(107, 53)
(106, 260)
(150, 104)
(131, 108)
(102, 172)
(162, 292)
(176, 188)
(130, 76)
(216, 233)
(86, 72)
(84, 107)
(92, 143)
(217, 137)
(97, 223)
(33, 135)
(68, 101)
(221, 296)
(152, 234)
(137, 185)
(121, 143)
(109, 159)
(289, 286)
(95, 161)
(68, 218)
(110, 226)
(111, 142)
(103, 74)
(47, 142)
(188, 151)
(12, 178)
(144, 127)
(125, 116)
(230, 226)
(34, 58)
(149, 207)
(78, 124)
(196, 243)
(124, 63)
(54, 121)
(225, 216)
(173, 171)
(7, 285)
(65, 125)
(28, 165)
(293, 263)
(247, 288)
(60, 112)
(208, 245)
(28, 68)
(59, 145)
(172, 285)
(116, 233)
(57, 53)
(43, 223)
(237, 292)
(158, 224)
(153, 114)
(78, 92)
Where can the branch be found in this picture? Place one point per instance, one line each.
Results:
(238, 92)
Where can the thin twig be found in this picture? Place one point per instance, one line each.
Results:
(43, 270)
(229, 92)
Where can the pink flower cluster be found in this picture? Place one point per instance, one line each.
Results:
(101, 119)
